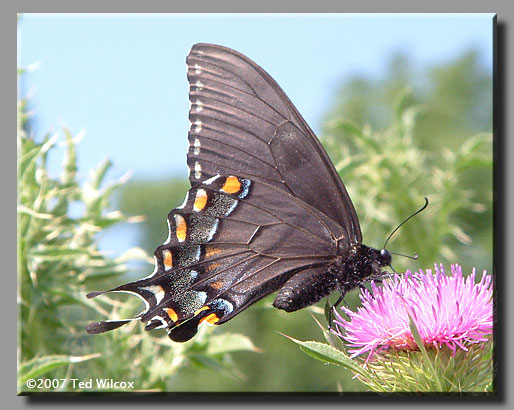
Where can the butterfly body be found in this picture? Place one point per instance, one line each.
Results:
(266, 212)
(349, 269)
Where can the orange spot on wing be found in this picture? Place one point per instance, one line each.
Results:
(181, 229)
(201, 309)
(217, 285)
(200, 200)
(172, 314)
(231, 185)
(211, 251)
(167, 258)
(212, 266)
(212, 318)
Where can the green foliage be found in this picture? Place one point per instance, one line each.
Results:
(398, 139)
(156, 198)
(57, 254)
(387, 175)
(328, 354)
(59, 262)
(425, 370)
(38, 366)
(435, 371)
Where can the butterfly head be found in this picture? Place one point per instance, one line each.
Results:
(385, 258)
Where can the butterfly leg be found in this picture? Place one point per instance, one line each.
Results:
(333, 307)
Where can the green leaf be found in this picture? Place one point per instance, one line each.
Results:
(401, 102)
(24, 210)
(97, 175)
(350, 128)
(58, 253)
(326, 310)
(70, 160)
(218, 366)
(229, 342)
(28, 159)
(332, 339)
(41, 365)
(428, 360)
(417, 337)
(328, 354)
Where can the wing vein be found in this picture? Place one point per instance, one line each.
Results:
(238, 149)
(212, 107)
(255, 94)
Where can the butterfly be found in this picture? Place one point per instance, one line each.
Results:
(266, 212)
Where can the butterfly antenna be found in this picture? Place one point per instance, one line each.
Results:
(415, 257)
(399, 226)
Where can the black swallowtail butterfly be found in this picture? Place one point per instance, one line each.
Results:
(266, 211)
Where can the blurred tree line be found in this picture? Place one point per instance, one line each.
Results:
(436, 122)
(456, 99)
(450, 106)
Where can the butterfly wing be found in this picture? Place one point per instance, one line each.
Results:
(242, 123)
(266, 210)
(232, 242)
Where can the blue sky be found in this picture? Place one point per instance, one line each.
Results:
(122, 78)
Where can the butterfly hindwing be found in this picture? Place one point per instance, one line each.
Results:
(242, 123)
(232, 242)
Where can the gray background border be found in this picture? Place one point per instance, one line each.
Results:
(504, 190)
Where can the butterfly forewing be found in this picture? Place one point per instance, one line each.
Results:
(242, 123)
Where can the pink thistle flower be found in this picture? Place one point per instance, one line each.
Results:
(448, 311)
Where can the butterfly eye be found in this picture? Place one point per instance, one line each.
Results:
(385, 257)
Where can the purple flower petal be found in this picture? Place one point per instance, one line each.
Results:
(448, 311)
